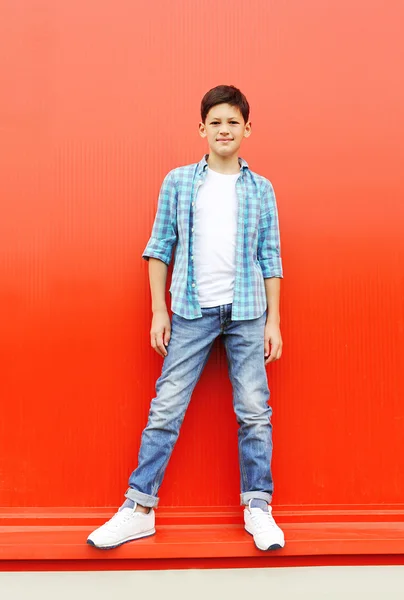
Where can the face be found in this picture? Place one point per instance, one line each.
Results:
(224, 129)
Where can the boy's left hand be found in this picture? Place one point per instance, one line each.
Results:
(272, 342)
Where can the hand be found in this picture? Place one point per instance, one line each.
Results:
(272, 342)
(160, 332)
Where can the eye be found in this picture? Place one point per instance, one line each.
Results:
(234, 122)
(215, 123)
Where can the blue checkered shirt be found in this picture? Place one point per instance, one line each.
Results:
(257, 243)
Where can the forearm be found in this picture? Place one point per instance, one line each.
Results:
(273, 292)
(158, 279)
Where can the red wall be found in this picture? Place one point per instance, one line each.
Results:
(98, 101)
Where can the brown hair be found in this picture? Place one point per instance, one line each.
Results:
(225, 94)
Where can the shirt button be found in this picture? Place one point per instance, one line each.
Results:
(193, 285)
(192, 230)
(193, 203)
(192, 258)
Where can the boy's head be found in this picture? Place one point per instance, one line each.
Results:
(224, 119)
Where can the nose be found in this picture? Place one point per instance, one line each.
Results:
(224, 131)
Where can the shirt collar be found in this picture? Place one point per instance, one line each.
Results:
(203, 164)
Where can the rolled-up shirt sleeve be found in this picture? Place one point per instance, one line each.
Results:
(164, 232)
(269, 245)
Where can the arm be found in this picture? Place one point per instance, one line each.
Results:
(272, 336)
(160, 332)
(269, 257)
(158, 252)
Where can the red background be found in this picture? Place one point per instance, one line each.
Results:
(99, 100)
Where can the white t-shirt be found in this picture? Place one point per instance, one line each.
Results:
(215, 228)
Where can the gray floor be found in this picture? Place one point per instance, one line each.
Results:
(309, 583)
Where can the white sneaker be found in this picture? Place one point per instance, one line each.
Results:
(261, 525)
(125, 525)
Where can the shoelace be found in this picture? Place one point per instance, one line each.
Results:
(263, 521)
(119, 518)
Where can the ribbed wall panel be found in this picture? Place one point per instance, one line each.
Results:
(99, 100)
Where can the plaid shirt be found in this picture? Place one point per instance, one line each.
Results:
(257, 243)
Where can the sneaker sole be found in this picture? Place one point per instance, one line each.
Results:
(130, 539)
(271, 547)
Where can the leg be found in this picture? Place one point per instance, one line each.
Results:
(244, 343)
(188, 351)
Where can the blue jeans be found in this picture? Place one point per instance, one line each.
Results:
(188, 351)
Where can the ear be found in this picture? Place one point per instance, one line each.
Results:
(247, 129)
(202, 130)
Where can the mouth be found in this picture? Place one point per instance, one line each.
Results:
(224, 140)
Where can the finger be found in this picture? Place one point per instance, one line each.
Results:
(160, 344)
(153, 342)
(167, 336)
(274, 355)
(266, 348)
(274, 352)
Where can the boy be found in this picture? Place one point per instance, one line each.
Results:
(223, 219)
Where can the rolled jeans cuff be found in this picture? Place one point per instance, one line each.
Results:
(245, 497)
(142, 499)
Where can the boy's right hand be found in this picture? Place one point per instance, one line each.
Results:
(160, 332)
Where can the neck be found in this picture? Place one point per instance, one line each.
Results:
(226, 165)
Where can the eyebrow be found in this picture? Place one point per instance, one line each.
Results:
(229, 119)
